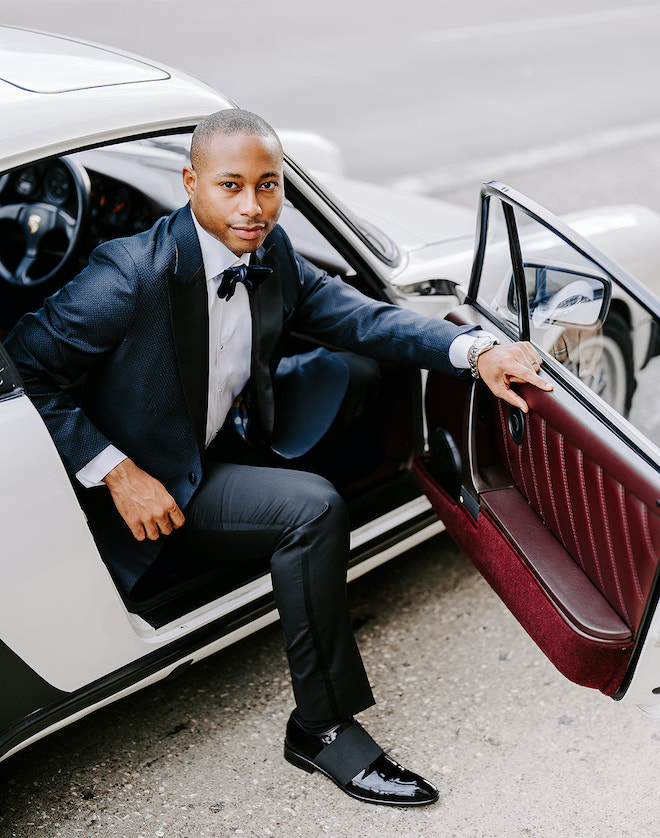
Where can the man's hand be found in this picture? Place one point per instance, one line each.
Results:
(502, 366)
(143, 502)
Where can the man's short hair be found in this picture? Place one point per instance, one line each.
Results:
(229, 121)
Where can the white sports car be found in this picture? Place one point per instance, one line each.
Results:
(559, 509)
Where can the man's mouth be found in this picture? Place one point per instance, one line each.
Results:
(249, 233)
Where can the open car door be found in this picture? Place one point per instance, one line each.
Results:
(559, 509)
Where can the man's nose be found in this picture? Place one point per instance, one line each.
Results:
(250, 202)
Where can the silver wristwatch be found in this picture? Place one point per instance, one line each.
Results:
(482, 344)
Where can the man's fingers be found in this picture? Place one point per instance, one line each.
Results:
(151, 530)
(510, 396)
(138, 531)
(142, 529)
(527, 355)
(525, 374)
(177, 517)
(172, 519)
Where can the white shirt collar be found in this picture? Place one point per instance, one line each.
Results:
(217, 257)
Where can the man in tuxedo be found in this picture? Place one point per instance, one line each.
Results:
(175, 332)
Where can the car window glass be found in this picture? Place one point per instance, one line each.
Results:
(311, 244)
(591, 325)
(54, 212)
(578, 315)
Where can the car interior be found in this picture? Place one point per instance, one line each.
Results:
(89, 197)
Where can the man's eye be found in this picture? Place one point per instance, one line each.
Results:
(229, 184)
(269, 185)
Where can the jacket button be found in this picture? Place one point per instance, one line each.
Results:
(193, 478)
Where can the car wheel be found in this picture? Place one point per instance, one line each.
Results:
(614, 377)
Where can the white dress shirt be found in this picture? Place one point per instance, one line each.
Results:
(230, 332)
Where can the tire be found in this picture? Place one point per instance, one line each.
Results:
(614, 378)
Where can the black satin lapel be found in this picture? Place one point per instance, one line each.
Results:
(266, 308)
(190, 318)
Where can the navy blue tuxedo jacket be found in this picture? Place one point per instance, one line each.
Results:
(134, 323)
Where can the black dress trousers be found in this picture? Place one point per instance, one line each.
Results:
(298, 519)
(252, 504)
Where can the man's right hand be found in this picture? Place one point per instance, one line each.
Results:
(143, 502)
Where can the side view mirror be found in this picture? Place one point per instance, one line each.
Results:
(583, 302)
(562, 296)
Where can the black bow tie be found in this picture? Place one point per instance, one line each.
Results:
(250, 275)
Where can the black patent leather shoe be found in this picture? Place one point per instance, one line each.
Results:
(351, 759)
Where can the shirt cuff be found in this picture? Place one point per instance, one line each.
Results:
(93, 473)
(460, 347)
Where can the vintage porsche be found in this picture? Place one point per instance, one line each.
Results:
(559, 508)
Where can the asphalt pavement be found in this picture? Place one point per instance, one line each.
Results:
(463, 696)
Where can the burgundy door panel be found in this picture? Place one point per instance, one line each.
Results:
(586, 660)
(584, 489)
(565, 584)
(568, 533)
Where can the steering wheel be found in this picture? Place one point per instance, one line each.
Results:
(37, 220)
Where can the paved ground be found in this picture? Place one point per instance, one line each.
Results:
(463, 696)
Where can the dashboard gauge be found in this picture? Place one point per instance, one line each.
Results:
(119, 207)
(57, 185)
(97, 197)
(26, 182)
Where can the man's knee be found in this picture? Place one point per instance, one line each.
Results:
(315, 544)
(316, 499)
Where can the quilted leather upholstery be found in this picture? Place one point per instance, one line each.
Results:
(602, 510)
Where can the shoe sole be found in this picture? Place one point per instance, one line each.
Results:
(310, 767)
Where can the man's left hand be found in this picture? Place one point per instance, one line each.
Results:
(502, 366)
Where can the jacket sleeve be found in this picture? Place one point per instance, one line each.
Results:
(334, 311)
(75, 330)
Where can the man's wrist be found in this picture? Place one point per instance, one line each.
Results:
(481, 344)
(119, 473)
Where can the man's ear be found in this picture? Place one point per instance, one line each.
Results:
(189, 180)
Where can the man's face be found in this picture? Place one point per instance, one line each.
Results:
(237, 191)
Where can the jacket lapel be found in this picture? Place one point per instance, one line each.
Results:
(189, 316)
(266, 308)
